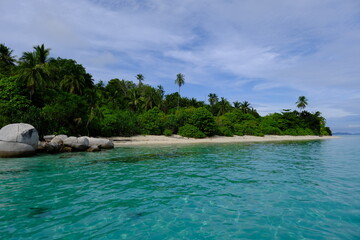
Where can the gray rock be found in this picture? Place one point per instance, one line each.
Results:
(101, 143)
(15, 149)
(59, 139)
(54, 147)
(93, 149)
(48, 138)
(20, 133)
(81, 143)
(18, 139)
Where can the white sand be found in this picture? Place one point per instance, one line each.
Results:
(176, 139)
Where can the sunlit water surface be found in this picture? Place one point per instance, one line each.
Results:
(292, 190)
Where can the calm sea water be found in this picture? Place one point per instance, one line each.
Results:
(293, 190)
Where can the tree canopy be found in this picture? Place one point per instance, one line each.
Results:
(58, 96)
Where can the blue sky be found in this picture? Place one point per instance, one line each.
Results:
(265, 52)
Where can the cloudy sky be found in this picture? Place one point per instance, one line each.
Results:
(265, 52)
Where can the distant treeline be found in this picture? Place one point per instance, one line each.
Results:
(58, 96)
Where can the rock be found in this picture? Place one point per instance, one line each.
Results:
(81, 143)
(66, 149)
(21, 133)
(42, 146)
(59, 139)
(93, 149)
(15, 149)
(48, 138)
(54, 147)
(18, 139)
(101, 143)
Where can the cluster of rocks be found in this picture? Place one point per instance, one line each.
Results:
(22, 139)
(63, 143)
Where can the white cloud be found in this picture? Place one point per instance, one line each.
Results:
(241, 48)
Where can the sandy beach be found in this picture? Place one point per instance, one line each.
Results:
(177, 139)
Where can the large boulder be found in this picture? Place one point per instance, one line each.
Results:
(18, 139)
(101, 143)
(80, 143)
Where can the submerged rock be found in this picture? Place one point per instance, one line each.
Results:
(18, 139)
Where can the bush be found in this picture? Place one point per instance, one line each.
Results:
(248, 127)
(191, 131)
(204, 121)
(151, 122)
(118, 123)
(168, 132)
(225, 131)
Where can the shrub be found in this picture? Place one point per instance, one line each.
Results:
(191, 131)
(168, 132)
(204, 121)
(118, 123)
(151, 122)
(248, 127)
(225, 131)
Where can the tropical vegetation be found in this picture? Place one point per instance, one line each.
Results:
(58, 96)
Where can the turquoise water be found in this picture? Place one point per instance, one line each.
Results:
(293, 190)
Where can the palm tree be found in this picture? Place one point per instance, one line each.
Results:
(224, 106)
(33, 74)
(180, 80)
(245, 107)
(302, 102)
(6, 57)
(73, 84)
(213, 99)
(140, 78)
(42, 54)
(237, 104)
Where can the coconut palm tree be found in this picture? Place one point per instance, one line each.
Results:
(237, 104)
(42, 54)
(73, 84)
(224, 106)
(302, 102)
(245, 107)
(6, 58)
(213, 99)
(140, 78)
(33, 74)
(180, 80)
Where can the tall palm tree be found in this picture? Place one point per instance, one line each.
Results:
(302, 102)
(140, 78)
(42, 54)
(33, 74)
(73, 84)
(180, 80)
(6, 57)
(237, 104)
(224, 106)
(213, 99)
(245, 107)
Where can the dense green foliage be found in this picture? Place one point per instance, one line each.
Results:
(58, 96)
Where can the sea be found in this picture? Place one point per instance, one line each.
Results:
(272, 190)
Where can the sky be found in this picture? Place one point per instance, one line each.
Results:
(265, 52)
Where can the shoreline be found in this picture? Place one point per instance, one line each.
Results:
(141, 140)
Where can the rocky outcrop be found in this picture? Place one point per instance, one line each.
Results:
(18, 139)
(63, 143)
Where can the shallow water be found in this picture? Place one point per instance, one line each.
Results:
(293, 190)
